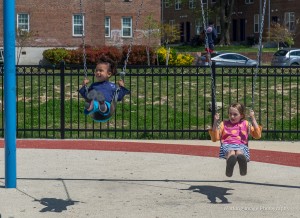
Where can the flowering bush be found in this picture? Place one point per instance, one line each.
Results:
(174, 58)
(184, 60)
(138, 55)
(162, 53)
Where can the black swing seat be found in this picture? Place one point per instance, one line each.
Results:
(98, 116)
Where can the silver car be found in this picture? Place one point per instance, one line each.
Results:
(230, 59)
(286, 57)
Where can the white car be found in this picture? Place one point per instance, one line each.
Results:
(229, 59)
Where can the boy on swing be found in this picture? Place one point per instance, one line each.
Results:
(102, 91)
(233, 134)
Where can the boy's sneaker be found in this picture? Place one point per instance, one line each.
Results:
(91, 95)
(87, 105)
(243, 164)
(230, 163)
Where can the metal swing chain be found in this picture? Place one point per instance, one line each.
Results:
(122, 74)
(83, 41)
(258, 53)
(209, 61)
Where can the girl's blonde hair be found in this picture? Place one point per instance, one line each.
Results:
(240, 107)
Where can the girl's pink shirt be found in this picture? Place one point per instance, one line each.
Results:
(238, 133)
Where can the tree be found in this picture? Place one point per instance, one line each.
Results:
(23, 38)
(151, 33)
(280, 34)
(225, 11)
(169, 33)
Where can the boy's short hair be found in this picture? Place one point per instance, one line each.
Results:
(104, 59)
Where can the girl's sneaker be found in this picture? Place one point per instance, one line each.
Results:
(231, 161)
(242, 163)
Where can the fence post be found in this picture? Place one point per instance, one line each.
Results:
(62, 99)
(213, 91)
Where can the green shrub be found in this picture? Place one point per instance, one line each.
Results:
(56, 55)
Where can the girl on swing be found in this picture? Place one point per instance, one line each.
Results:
(233, 134)
(102, 91)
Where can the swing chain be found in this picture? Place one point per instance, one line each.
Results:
(122, 74)
(83, 41)
(258, 53)
(209, 56)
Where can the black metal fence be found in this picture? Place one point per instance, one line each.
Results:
(165, 102)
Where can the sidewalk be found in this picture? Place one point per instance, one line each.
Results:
(69, 182)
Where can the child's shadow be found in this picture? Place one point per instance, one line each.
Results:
(55, 205)
(212, 193)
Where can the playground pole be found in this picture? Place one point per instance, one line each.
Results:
(9, 34)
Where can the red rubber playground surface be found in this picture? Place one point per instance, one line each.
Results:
(272, 157)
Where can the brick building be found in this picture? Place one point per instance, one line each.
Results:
(245, 21)
(58, 23)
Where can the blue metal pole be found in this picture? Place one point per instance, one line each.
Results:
(9, 33)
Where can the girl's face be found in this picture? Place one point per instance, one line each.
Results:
(102, 72)
(234, 115)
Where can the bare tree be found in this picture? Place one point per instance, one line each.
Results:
(280, 34)
(225, 12)
(151, 33)
(23, 38)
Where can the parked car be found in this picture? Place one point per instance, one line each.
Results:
(286, 57)
(229, 59)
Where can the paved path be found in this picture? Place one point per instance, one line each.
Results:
(149, 179)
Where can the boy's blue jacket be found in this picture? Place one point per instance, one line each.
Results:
(107, 88)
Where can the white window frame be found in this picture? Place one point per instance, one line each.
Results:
(198, 26)
(167, 3)
(177, 5)
(256, 23)
(21, 22)
(78, 22)
(107, 26)
(126, 26)
(192, 4)
(289, 21)
(249, 1)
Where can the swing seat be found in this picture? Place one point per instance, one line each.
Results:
(99, 116)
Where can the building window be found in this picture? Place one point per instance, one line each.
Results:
(198, 26)
(218, 25)
(23, 22)
(167, 3)
(107, 26)
(213, 1)
(78, 25)
(289, 21)
(204, 1)
(126, 27)
(191, 4)
(256, 23)
(177, 4)
(248, 1)
(274, 19)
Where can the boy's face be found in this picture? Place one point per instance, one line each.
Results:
(102, 72)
